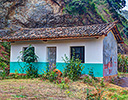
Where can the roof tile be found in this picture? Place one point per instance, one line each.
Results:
(60, 32)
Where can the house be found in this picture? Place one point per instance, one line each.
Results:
(95, 45)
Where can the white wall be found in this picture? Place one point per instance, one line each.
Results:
(93, 49)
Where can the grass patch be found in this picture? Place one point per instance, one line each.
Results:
(38, 89)
(112, 89)
(19, 96)
(124, 92)
(119, 97)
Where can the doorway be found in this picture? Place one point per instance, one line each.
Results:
(52, 57)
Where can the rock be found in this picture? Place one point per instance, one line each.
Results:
(37, 14)
(3, 21)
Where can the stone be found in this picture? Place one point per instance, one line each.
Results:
(37, 14)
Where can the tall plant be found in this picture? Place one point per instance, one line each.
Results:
(73, 68)
(29, 57)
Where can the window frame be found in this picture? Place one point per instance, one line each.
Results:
(83, 47)
(55, 52)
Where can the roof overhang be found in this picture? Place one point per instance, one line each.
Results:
(117, 34)
(62, 33)
(53, 38)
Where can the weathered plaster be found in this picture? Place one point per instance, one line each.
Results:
(110, 55)
(93, 54)
(93, 49)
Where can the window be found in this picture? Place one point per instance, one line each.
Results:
(78, 52)
(28, 52)
(52, 56)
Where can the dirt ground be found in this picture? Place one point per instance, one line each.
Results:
(123, 82)
(36, 89)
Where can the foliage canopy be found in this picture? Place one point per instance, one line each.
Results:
(117, 4)
(29, 55)
(77, 6)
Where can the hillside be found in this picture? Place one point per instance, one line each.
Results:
(15, 14)
(53, 13)
(44, 13)
(124, 13)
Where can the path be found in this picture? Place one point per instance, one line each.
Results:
(123, 82)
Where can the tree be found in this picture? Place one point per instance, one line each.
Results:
(117, 4)
(125, 30)
(75, 7)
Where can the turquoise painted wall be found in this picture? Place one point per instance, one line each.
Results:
(41, 66)
(18, 66)
(97, 68)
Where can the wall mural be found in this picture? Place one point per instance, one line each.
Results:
(109, 55)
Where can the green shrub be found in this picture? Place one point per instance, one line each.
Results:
(119, 97)
(3, 65)
(98, 96)
(50, 75)
(91, 73)
(73, 68)
(32, 72)
(89, 80)
(102, 82)
(28, 56)
(75, 6)
(124, 92)
(89, 97)
(16, 75)
(5, 62)
(122, 63)
(3, 52)
(6, 56)
(112, 89)
(63, 85)
(3, 75)
(7, 46)
(112, 81)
